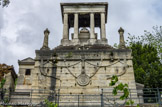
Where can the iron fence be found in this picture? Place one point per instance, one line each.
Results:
(104, 99)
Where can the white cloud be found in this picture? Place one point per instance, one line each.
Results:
(22, 23)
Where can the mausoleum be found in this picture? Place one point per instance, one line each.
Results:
(83, 64)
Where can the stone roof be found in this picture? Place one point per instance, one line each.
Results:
(26, 61)
(91, 4)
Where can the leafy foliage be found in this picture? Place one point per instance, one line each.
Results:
(4, 3)
(153, 38)
(116, 45)
(122, 88)
(4, 69)
(2, 83)
(114, 80)
(50, 104)
(69, 55)
(119, 87)
(130, 102)
(146, 52)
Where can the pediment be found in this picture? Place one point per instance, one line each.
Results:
(27, 60)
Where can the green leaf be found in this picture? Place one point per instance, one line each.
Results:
(127, 103)
(138, 105)
(2, 83)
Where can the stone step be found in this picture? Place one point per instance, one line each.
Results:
(20, 96)
(20, 99)
(21, 93)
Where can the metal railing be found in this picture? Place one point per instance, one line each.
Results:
(105, 99)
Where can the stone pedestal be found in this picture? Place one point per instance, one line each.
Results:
(65, 42)
(75, 41)
(92, 41)
(104, 41)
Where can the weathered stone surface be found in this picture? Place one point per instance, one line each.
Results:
(78, 15)
(122, 42)
(45, 42)
(83, 65)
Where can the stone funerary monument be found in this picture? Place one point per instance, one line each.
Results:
(83, 63)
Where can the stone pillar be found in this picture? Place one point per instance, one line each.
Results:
(65, 39)
(121, 42)
(92, 39)
(45, 42)
(76, 30)
(66, 27)
(103, 32)
(92, 26)
(76, 27)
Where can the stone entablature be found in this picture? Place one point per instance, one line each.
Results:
(89, 7)
(83, 15)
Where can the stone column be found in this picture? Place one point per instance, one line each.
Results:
(92, 25)
(76, 28)
(45, 42)
(103, 32)
(121, 42)
(66, 27)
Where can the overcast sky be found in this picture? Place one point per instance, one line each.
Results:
(22, 24)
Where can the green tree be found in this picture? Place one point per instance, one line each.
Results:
(146, 64)
(146, 52)
(153, 38)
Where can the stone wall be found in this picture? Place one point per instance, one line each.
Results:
(99, 67)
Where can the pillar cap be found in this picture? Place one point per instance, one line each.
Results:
(121, 30)
(46, 31)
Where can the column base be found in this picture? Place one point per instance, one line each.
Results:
(44, 48)
(75, 41)
(104, 41)
(122, 46)
(65, 42)
(92, 41)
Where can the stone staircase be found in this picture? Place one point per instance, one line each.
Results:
(20, 98)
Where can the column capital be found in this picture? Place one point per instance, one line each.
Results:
(92, 12)
(102, 12)
(76, 13)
